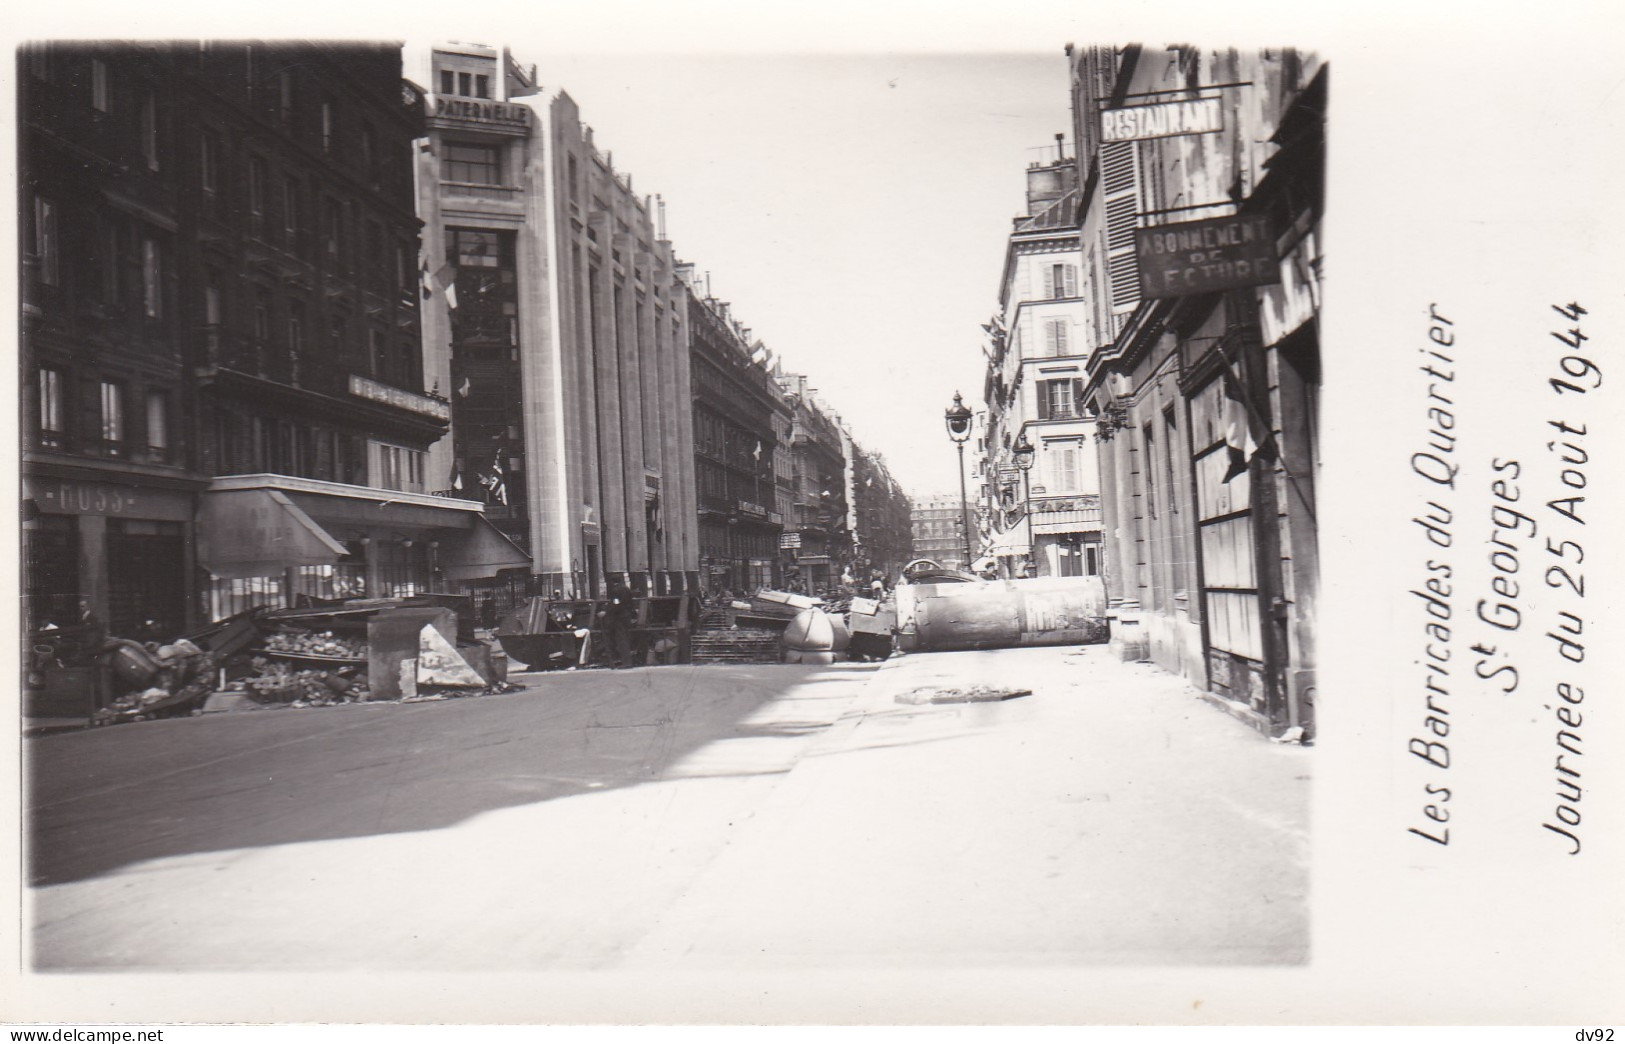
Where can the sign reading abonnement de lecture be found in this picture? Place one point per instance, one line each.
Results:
(1163, 120)
(1195, 257)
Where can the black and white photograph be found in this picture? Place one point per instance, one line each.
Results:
(621, 516)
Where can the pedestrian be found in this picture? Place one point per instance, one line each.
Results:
(617, 617)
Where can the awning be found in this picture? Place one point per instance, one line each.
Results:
(259, 532)
(1084, 521)
(480, 552)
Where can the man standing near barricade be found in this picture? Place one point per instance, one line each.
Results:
(617, 623)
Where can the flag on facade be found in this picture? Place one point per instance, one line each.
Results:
(499, 481)
(757, 452)
(1238, 430)
(462, 389)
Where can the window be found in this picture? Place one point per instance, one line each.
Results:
(51, 411)
(328, 125)
(100, 95)
(1056, 399)
(256, 185)
(157, 423)
(448, 84)
(333, 226)
(112, 417)
(209, 162)
(262, 319)
(375, 353)
(152, 274)
(1060, 280)
(47, 248)
(396, 467)
(474, 164)
(1063, 470)
(1055, 335)
(284, 81)
(1148, 441)
(108, 262)
(290, 214)
(482, 86)
(296, 333)
(369, 159)
(463, 86)
(149, 129)
(211, 311)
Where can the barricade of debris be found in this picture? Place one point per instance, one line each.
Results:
(372, 650)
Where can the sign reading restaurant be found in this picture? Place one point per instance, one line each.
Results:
(1164, 120)
(1195, 257)
(473, 110)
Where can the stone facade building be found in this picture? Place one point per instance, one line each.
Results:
(1202, 177)
(1046, 523)
(739, 412)
(223, 383)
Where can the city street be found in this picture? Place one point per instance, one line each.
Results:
(683, 818)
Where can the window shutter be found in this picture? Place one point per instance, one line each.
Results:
(1070, 277)
(1120, 185)
(1043, 389)
(1049, 282)
(1060, 336)
(1077, 395)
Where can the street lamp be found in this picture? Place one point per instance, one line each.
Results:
(957, 418)
(1024, 453)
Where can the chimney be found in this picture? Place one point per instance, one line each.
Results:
(660, 216)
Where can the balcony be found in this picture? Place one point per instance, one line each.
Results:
(471, 190)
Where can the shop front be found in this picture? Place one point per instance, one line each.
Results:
(273, 540)
(115, 548)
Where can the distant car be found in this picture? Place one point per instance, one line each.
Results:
(927, 571)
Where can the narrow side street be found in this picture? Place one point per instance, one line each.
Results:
(690, 818)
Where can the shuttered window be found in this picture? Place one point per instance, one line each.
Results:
(1120, 189)
(1055, 336)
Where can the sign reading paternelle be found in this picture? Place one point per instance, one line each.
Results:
(1164, 120)
(1195, 257)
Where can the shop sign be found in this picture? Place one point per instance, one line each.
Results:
(471, 110)
(1196, 257)
(366, 388)
(64, 497)
(789, 539)
(1163, 120)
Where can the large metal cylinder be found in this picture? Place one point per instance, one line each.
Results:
(1000, 614)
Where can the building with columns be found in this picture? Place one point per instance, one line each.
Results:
(557, 325)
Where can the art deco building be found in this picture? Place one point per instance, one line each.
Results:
(559, 330)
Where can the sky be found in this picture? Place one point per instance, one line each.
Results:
(853, 208)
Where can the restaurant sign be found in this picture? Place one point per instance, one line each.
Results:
(1197, 257)
(1164, 120)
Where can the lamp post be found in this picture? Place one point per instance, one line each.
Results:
(957, 418)
(1024, 453)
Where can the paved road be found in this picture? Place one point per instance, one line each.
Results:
(682, 818)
